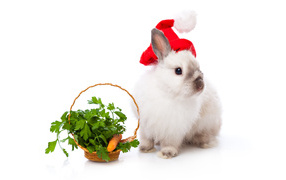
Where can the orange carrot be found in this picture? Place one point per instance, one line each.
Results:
(113, 142)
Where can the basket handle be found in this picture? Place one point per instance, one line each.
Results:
(131, 138)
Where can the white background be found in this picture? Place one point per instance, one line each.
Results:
(51, 50)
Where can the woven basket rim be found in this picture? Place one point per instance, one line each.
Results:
(94, 152)
(93, 157)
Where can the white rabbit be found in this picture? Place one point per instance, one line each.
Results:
(177, 104)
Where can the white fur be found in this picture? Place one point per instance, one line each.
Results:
(171, 111)
(186, 21)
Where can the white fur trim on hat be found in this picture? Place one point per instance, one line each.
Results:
(186, 21)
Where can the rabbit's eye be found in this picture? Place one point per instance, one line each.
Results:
(178, 71)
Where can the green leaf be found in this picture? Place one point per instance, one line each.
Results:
(85, 132)
(125, 147)
(102, 153)
(95, 126)
(80, 113)
(65, 152)
(94, 100)
(92, 141)
(91, 114)
(104, 114)
(110, 106)
(100, 103)
(51, 147)
(94, 112)
(101, 124)
(75, 137)
(67, 126)
(56, 126)
(72, 143)
(74, 116)
(120, 115)
(103, 138)
(64, 140)
(135, 143)
(93, 120)
(79, 125)
(64, 116)
(91, 149)
(98, 124)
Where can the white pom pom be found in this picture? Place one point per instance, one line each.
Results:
(186, 21)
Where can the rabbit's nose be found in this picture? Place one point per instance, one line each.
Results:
(199, 83)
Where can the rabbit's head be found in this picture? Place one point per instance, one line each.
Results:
(177, 73)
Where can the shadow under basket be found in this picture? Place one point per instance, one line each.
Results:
(114, 155)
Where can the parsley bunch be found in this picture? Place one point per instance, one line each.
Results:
(92, 129)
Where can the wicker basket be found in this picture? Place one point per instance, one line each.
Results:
(115, 154)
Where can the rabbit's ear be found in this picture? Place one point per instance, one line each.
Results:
(160, 44)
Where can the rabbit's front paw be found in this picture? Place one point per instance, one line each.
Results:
(167, 152)
(147, 145)
(146, 149)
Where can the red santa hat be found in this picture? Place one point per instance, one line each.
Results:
(185, 23)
